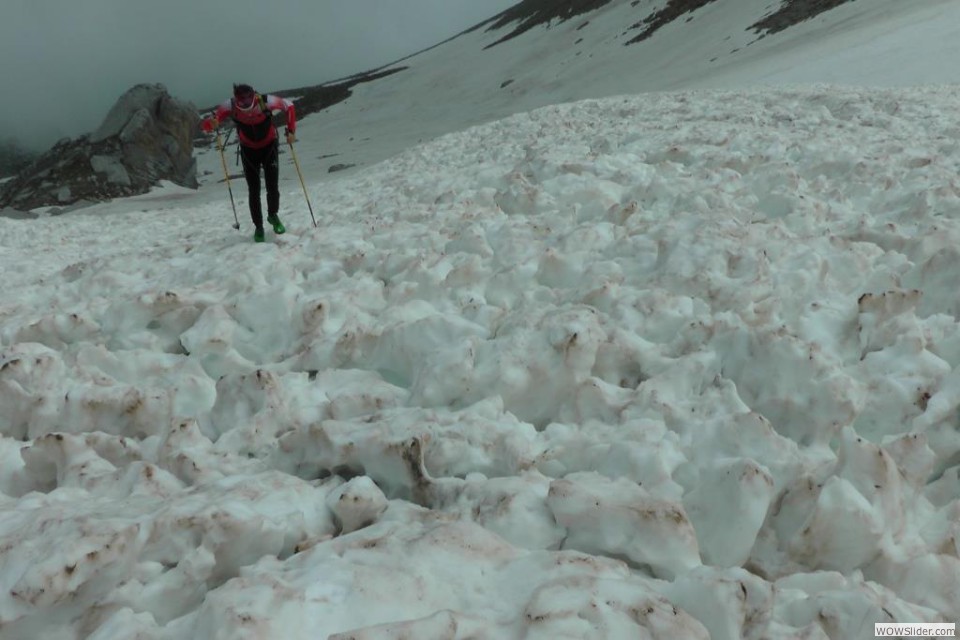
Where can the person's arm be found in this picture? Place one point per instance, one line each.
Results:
(221, 113)
(276, 103)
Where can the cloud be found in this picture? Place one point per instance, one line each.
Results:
(66, 62)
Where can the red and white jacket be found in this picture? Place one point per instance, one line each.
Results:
(255, 126)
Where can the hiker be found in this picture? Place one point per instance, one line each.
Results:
(252, 113)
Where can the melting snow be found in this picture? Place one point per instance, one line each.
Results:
(666, 366)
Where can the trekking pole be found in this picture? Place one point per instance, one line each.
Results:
(297, 165)
(226, 174)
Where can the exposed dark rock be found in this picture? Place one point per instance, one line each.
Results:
(791, 12)
(339, 167)
(659, 19)
(531, 13)
(146, 137)
(317, 98)
(794, 12)
(15, 214)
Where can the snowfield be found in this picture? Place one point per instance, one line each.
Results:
(677, 365)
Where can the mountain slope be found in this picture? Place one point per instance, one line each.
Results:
(547, 53)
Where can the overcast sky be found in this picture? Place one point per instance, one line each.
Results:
(65, 62)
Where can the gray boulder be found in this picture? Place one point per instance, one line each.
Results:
(9, 212)
(147, 136)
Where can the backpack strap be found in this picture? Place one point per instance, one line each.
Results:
(260, 100)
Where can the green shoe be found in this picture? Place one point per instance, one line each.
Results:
(258, 235)
(278, 227)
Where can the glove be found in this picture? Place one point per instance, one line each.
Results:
(291, 137)
(209, 124)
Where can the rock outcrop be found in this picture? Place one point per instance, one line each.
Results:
(146, 137)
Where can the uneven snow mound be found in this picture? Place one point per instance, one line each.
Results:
(667, 366)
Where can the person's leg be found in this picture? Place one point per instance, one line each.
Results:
(271, 175)
(251, 160)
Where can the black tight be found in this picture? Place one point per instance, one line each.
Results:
(253, 160)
